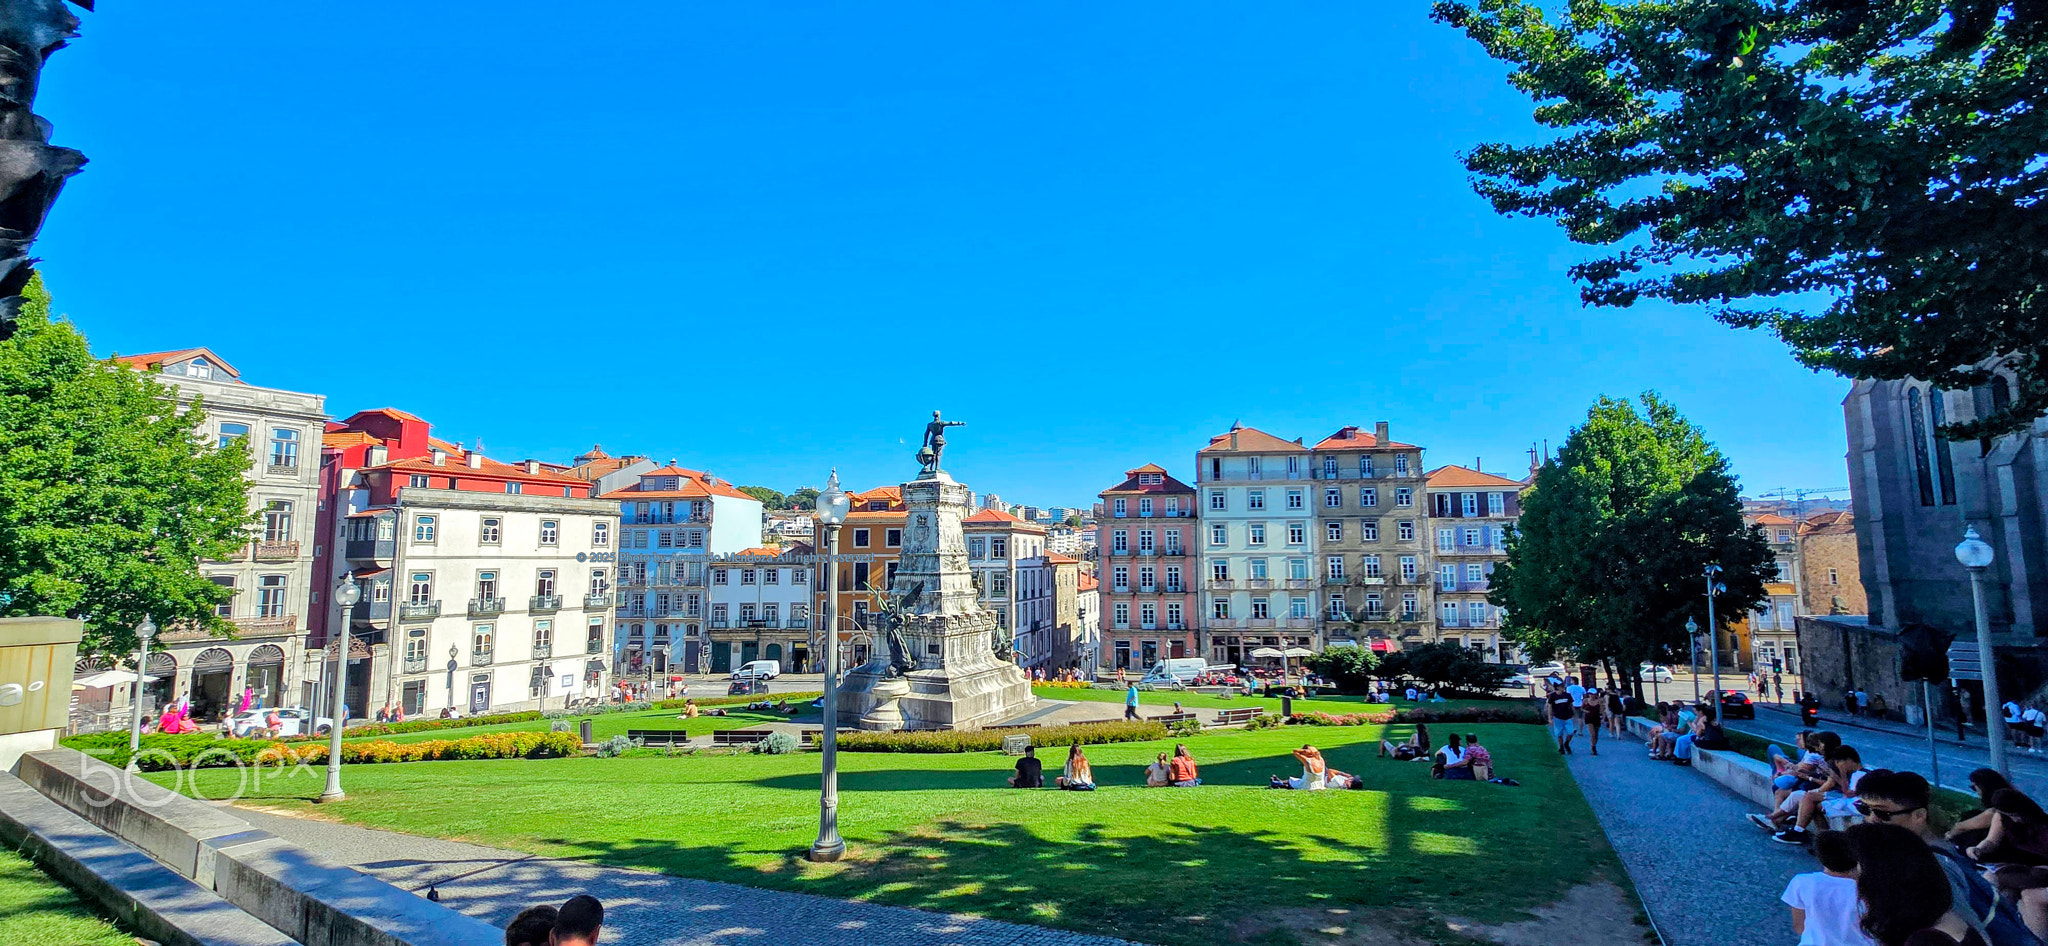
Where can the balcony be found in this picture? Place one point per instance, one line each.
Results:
(596, 645)
(364, 550)
(629, 611)
(282, 467)
(720, 624)
(1173, 553)
(544, 604)
(419, 610)
(798, 624)
(1260, 622)
(1299, 584)
(1121, 589)
(480, 656)
(415, 665)
(1257, 583)
(486, 607)
(1221, 584)
(757, 623)
(1372, 580)
(1147, 589)
(1300, 622)
(1174, 589)
(370, 611)
(1148, 552)
(1120, 551)
(1176, 626)
(543, 649)
(1120, 514)
(277, 551)
(602, 599)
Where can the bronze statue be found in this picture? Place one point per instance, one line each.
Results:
(1001, 643)
(32, 170)
(893, 616)
(935, 442)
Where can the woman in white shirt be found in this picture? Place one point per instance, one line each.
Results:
(1452, 752)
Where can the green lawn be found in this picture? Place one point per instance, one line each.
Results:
(36, 908)
(1231, 859)
(603, 726)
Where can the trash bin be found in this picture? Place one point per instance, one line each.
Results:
(1914, 716)
(1286, 705)
(583, 729)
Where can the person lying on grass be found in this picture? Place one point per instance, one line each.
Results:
(1417, 746)
(1314, 773)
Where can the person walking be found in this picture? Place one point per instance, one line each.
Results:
(1562, 719)
(1594, 710)
(1131, 702)
(1778, 685)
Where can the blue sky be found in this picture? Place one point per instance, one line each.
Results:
(769, 239)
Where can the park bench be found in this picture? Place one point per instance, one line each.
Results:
(738, 737)
(1171, 718)
(1236, 717)
(659, 737)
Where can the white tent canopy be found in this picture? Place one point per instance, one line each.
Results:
(1298, 652)
(1265, 653)
(108, 678)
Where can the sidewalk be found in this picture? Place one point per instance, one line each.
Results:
(1707, 876)
(641, 908)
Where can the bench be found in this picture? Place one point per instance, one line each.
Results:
(738, 737)
(659, 737)
(1236, 717)
(1737, 772)
(1171, 718)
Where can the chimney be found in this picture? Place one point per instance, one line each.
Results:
(1475, 466)
(474, 459)
(377, 455)
(440, 457)
(533, 466)
(1379, 433)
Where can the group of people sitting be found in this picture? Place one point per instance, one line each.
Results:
(391, 714)
(1681, 728)
(576, 923)
(1316, 774)
(1459, 760)
(1177, 771)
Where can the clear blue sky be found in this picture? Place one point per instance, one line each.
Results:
(768, 239)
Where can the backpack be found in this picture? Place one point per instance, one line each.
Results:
(1978, 903)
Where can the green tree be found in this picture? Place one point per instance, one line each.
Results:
(1074, 521)
(1443, 665)
(1350, 668)
(110, 495)
(804, 499)
(1609, 555)
(1866, 178)
(770, 499)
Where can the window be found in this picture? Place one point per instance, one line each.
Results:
(1784, 535)
(1255, 499)
(664, 539)
(1472, 537)
(771, 576)
(600, 583)
(1255, 533)
(1475, 614)
(1297, 533)
(416, 647)
(1335, 567)
(1123, 614)
(1447, 577)
(487, 585)
(1294, 499)
(1219, 534)
(1216, 499)
(1297, 569)
(1219, 608)
(284, 448)
(1146, 575)
(1148, 614)
(1333, 531)
(1440, 505)
(1400, 464)
(1219, 570)
(999, 548)
(1411, 607)
(1374, 607)
(1475, 572)
(1369, 530)
(1173, 614)
(1408, 568)
(230, 432)
(1151, 479)
(1336, 608)
(595, 642)
(1450, 609)
(1333, 498)
(1921, 466)
(416, 481)
(1405, 530)
(544, 583)
(1404, 497)
(1471, 504)
(421, 589)
(515, 488)
(1122, 507)
(860, 538)
(1371, 564)
(270, 597)
(1259, 611)
(1144, 506)
(1258, 568)
(277, 521)
(1330, 467)
(1145, 540)
(892, 538)
(423, 529)
(226, 608)
(1944, 458)
(601, 534)
(489, 531)
(718, 576)
(1368, 497)
(1119, 542)
(1252, 466)
(480, 643)
(1297, 607)
(1293, 466)
(1446, 539)
(749, 576)
(1365, 465)
(543, 636)
(550, 531)
(1833, 578)
(1496, 504)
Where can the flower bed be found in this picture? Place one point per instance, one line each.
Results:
(497, 745)
(1519, 712)
(1340, 719)
(429, 725)
(1065, 684)
(990, 740)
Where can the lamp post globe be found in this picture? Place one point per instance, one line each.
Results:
(143, 633)
(832, 507)
(1976, 555)
(346, 594)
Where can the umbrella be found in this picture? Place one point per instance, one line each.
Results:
(1264, 653)
(107, 678)
(1297, 652)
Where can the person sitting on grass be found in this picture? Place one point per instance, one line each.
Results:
(2017, 832)
(1451, 753)
(1417, 746)
(1182, 767)
(1159, 774)
(1835, 798)
(1078, 777)
(532, 926)
(1972, 828)
(1030, 771)
(1314, 774)
(690, 709)
(1475, 763)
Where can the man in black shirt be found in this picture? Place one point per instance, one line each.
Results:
(1030, 773)
(1562, 720)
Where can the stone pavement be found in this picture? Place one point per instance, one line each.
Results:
(1706, 875)
(642, 908)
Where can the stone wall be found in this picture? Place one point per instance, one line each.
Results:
(1841, 653)
(1821, 551)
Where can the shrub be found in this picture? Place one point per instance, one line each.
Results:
(1265, 721)
(504, 745)
(710, 701)
(990, 740)
(615, 746)
(429, 725)
(598, 710)
(1065, 684)
(1184, 727)
(777, 743)
(1345, 719)
(560, 725)
(1506, 713)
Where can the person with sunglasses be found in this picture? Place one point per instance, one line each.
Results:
(1902, 799)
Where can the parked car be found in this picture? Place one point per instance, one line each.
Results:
(747, 686)
(1737, 706)
(1547, 670)
(1655, 673)
(759, 669)
(1520, 681)
(291, 721)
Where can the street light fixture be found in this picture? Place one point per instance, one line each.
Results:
(143, 633)
(833, 505)
(346, 594)
(1692, 639)
(1714, 587)
(1976, 555)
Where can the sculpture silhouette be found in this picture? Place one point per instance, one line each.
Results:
(32, 170)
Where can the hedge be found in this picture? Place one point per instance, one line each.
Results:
(1340, 719)
(990, 740)
(497, 745)
(161, 751)
(1513, 713)
(428, 725)
(737, 700)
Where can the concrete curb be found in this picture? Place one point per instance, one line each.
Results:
(1737, 772)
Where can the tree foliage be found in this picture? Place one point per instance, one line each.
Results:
(1350, 668)
(1443, 665)
(804, 499)
(770, 499)
(1609, 555)
(109, 493)
(1865, 177)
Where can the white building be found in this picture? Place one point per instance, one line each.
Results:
(760, 601)
(1007, 556)
(1257, 544)
(273, 577)
(673, 521)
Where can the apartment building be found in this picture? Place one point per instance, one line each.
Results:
(1470, 512)
(1258, 544)
(760, 608)
(1769, 639)
(1830, 576)
(1069, 637)
(1371, 564)
(485, 585)
(672, 522)
(1088, 615)
(1148, 597)
(277, 592)
(870, 544)
(1008, 559)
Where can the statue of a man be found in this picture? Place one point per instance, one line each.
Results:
(935, 442)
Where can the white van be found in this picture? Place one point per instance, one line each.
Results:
(1175, 670)
(759, 670)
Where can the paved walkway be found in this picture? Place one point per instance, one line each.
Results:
(1706, 875)
(642, 908)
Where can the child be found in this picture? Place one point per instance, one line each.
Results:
(1825, 911)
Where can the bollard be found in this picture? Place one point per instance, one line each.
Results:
(584, 728)
(1286, 705)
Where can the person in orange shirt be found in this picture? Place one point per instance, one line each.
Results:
(1181, 768)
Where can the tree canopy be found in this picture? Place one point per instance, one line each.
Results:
(1608, 558)
(770, 499)
(110, 495)
(1865, 177)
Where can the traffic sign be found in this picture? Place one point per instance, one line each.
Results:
(1962, 661)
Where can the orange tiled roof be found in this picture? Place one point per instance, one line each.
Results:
(1354, 438)
(1089, 583)
(997, 519)
(346, 438)
(1772, 519)
(877, 515)
(1249, 440)
(1058, 559)
(1454, 476)
(156, 358)
(692, 484)
(1166, 484)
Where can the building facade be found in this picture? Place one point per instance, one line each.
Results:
(1470, 513)
(1008, 558)
(1257, 545)
(870, 545)
(1371, 562)
(760, 608)
(1830, 580)
(277, 589)
(1147, 568)
(673, 521)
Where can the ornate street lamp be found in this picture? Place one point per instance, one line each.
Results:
(1714, 587)
(1976, 555)
(143, 633)
(832, 508)
(346, 594)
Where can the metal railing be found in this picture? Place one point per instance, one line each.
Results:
(415, 665)
(419, 611)
(541, 604)
(480, 657)
(602, 599)
(484, 607)
(542, 651)
(277, 551)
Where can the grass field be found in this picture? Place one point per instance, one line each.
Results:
(1229, 860)
(35, 908)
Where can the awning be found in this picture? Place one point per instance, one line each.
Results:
(595, 666)
(107, 678)
(1267, 653)
(1298, 652)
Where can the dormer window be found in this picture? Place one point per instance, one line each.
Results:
(198, 368)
